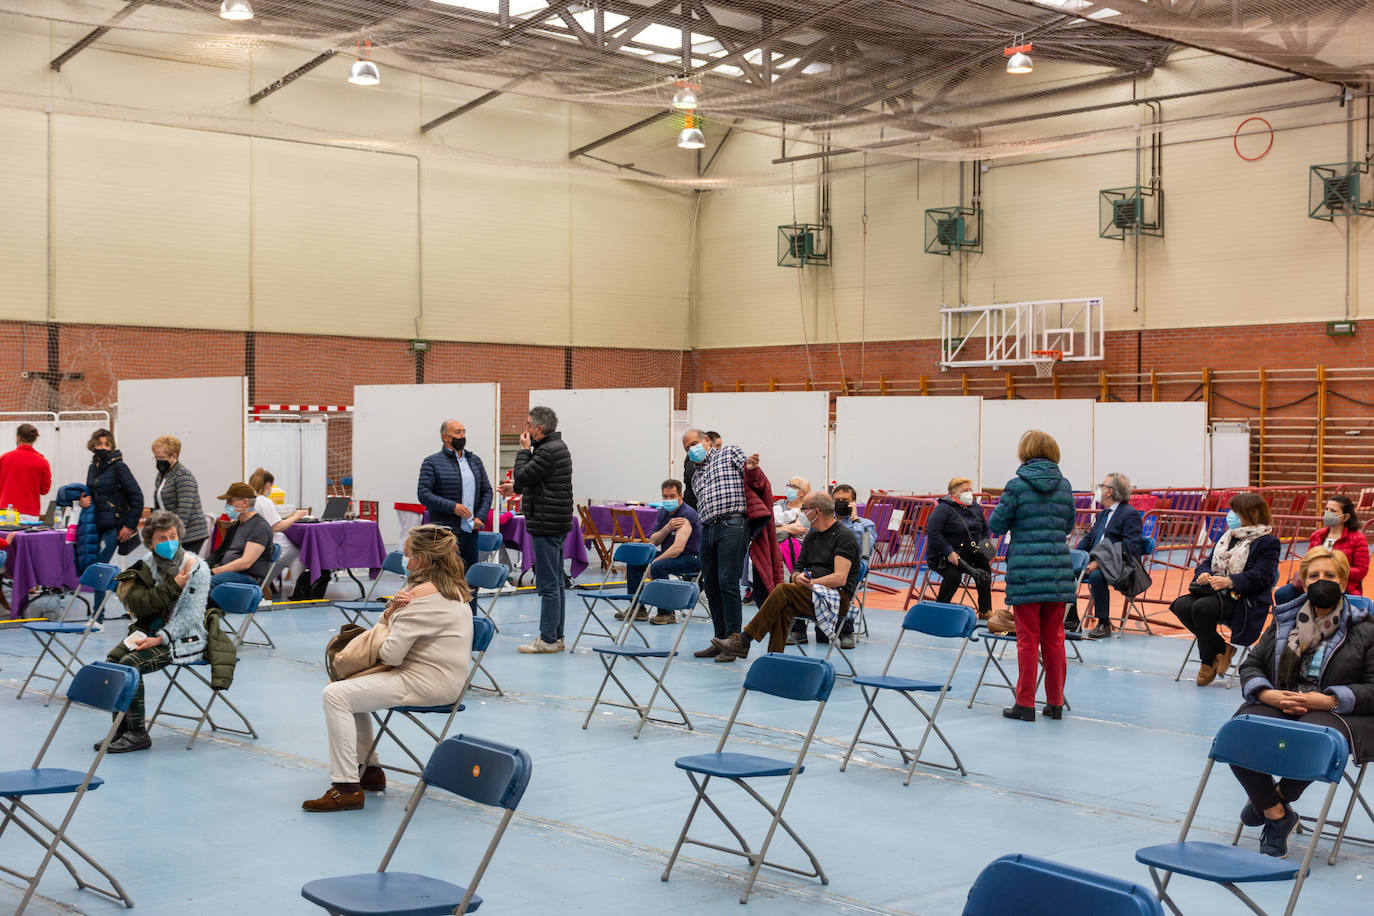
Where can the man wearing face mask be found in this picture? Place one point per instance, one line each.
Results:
(455, 489)
(677, 532)
(865, 532)
(721, 503)
(245, 553)
(1118, 521)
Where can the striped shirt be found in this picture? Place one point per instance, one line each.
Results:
(719, 483)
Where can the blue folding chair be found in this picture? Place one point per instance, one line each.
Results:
(493, 577)
(482, 632)
(630, 554)
(49, 633)
(473, 768)
(1030, 886)
(668, 597)
(99, 685)
(852, 613)
(243, 604)
(232, 597)
(787, 677)
(356, 611)
(1282, 748)
(943, 621)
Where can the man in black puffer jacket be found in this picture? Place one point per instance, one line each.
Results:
(543, 478)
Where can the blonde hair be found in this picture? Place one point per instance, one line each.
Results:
(443, 567)
(1335, 557)
(169, 444)
(1036, 443)
(261, 481)
(957, 482)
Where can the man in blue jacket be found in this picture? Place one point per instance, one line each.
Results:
(1118, 521)
(455, 489)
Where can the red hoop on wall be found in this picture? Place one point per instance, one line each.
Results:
(1235, 138)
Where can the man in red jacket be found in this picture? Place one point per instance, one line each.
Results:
(24, 474)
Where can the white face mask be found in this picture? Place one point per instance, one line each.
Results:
(966, 497)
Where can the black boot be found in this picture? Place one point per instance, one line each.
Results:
(1024, 713)
(1053, 712)
(119, 733)
(135, 739)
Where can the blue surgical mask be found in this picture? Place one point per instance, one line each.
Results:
(791, 493)
(230, 510)
(166, 549)
(669, 504)
(1232, 519)
(697, 453)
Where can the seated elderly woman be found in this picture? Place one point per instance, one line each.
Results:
(429, 650)
(1316, 665)
(165, 595)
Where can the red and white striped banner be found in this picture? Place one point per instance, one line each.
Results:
(302, 408)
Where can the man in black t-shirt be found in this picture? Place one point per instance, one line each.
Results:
(245, 553)
(829, 556)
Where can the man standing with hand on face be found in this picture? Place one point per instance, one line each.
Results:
(454, 488)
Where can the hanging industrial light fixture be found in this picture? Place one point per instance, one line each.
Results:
(236, 10)
(1018, 56)
(685, 98)
(691, 136)
(364, 72)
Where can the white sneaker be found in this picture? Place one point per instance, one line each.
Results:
(539, 647)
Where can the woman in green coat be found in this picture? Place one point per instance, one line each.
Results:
(1037, 509)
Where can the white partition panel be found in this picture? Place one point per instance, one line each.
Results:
(620, 439)
(790, 430)
(294, 453)
(1070, 422)
(906, 444)
(396, 426)
(1154, 444)
(206, 414)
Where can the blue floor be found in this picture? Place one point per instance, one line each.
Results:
(219, 829)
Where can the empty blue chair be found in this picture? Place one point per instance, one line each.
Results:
(669, 597)
(1029, 886)
(629, 554)
(357, 611)
(99, 685)
(1280, 747)
(788, 677)
(231, 597)
(473, 768)
(944, 621)
(493, 577)
(482, 632)
(49, 633)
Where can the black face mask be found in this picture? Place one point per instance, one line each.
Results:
(163, 466)
(1324, 593)
(100, 453)
(458, 443)
(843, 508)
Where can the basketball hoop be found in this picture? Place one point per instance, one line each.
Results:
(1044, 361)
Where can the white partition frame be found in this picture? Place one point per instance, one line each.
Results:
(1161, 444)
(1069, 421)
(208, 415)
(620, 439)
(396, 426)
(906, 444)
(790, 430)
(294, 449)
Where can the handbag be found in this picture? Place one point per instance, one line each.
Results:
(983, 545)
(352, 652)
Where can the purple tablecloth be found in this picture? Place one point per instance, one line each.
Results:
(514, 533)
(36, 558)
(601, 517)
(339, 545)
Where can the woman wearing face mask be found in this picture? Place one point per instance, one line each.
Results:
(176, 491)
(1316, 665)
(429, 649)
(955, 528)
(790, 520)
(165, 594)
(1232, 587)
(261, 481)
(115, 496)
(1340, 532)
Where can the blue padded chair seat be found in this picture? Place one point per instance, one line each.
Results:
(395, 893)
(53, 626)
(999, 637)
(439, 709)
(610, 596)
(44, 781)
(200, 662)
(891, 682)
(1214, 862)
(632, 652)
(361, 605)
(736, 766)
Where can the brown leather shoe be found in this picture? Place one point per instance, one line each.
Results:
(708, 652)
(373, 779)
(338, 798)
(734, 645)
(1223, 661)
(1206, 675)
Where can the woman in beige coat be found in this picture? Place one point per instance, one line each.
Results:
(429, 651)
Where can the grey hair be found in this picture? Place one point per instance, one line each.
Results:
(822, 502)
(545, 417)
(161, 520)
(1121, 486)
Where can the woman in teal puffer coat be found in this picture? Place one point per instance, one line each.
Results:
(1037, 509)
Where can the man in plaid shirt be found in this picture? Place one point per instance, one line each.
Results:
(719, 487)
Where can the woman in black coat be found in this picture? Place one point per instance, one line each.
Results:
(955, 528)
(1315, 665)
(115, 495)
